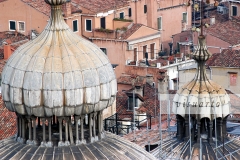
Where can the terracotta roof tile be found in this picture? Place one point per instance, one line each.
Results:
(129, 79)
(131, 30)
(228, 31)
(44, 8)
(228, 58)
(7, 122)
(97, 6)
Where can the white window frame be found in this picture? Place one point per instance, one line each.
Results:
(9, 25)
(123, 14)
(86, 25)
(161, 23)
(232, 9)
(73, 25)
(186, 17)
(19, 27)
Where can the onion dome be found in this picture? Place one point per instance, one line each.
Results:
(58, 73)
(58, 84)
(204, 97)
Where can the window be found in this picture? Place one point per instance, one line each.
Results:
(145, 8)
(103, 23)
(88, 25)
(135, 54)
(75, 25)
(129, 12)
(21, 26)
(184, 18)
(234, 10)
(145, 54)
(12, 25)
(121, 15)
(233, 79)
(130, 103)
(159, 21)
(152, 46)
(104, 50)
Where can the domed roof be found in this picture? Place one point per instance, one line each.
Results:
(58, 73)
(111, 147)
(203, 96)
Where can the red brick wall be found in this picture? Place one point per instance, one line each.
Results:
(8, 125)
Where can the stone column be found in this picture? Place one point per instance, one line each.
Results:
(82, 129)
(67, 143)
(210, 129)
(34, 130)
(43, 143)
(23, 130)
(50, 143)
(29, 141)
(60, 143)
(219, 129)
(76, 118)
(186, 128)
(90, 124)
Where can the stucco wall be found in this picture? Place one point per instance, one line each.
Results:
(219, 75)
(18, 11)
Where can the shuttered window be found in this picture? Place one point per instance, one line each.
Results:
(121, 15)
(88, 25)
(234, 10)
(75, 25)
(12, 25)
(145, 8)
(159, 21)
(129, 12)
(184, 18)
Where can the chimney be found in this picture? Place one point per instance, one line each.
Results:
(212, 20)
(7, 51)
(66, 7)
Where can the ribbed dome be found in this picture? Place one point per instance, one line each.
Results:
(58, 73)
(204, 97)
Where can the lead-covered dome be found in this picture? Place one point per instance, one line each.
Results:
(58, 73)
(205, 98)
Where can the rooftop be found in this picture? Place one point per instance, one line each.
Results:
(227, 58)
(97, 6)
(228, 31)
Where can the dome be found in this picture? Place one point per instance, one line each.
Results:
(58, 84)
(111, 147)
(58, 73)
(201, 96)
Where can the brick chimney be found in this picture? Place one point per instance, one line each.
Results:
(66, 7)
(7, 51)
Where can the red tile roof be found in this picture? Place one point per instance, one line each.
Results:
(228, 58)
(39, 5)
(7, 122)
(97, 6)
(130, 79)
(131, 30)
(228, 31)
(13, 39)
(11, 36)
(44, 8)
